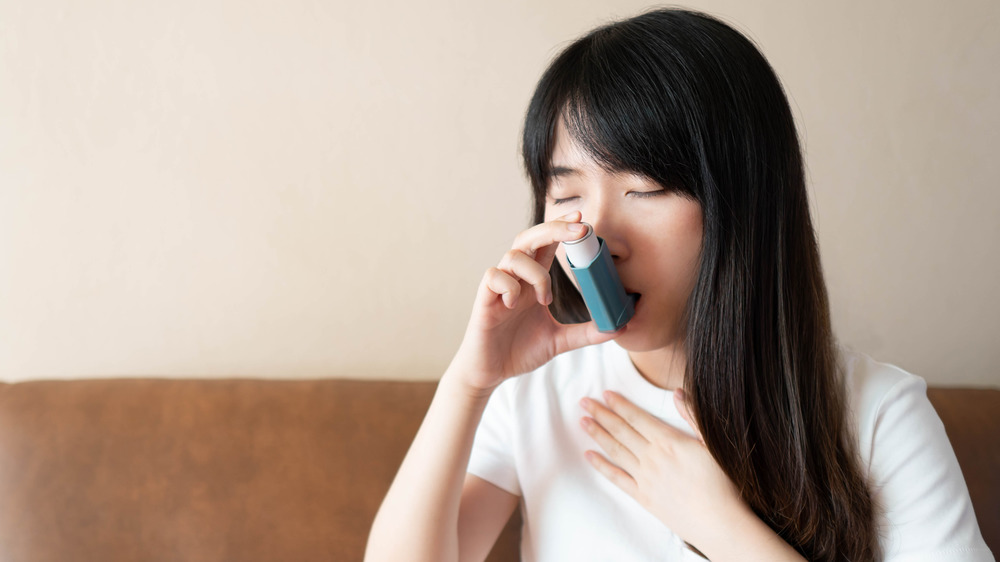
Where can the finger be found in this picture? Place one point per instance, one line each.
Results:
(680, 400)
(502, 284)
(616, 451)
(520, 266)
(573, 336)
(648, 426)
(616, 475)
(611, 426)
(540, 240)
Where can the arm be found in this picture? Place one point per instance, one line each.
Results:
(419, 518)
(426, 515)
(927, 512)
(482, 516)
(747, 538)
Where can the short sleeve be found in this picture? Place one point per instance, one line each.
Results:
(918, 483)
(492, 457)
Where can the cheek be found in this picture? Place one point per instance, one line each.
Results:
(684, 262)
(550, 213)
(672, 255)
(684, 238)
(693, 237)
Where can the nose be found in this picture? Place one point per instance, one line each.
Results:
(610, 225)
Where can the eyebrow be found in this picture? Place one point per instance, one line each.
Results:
(559, 171)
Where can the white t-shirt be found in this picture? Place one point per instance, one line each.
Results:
(530, 443)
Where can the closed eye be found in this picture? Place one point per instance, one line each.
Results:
(560, 201)
(644, 194)
(639, 194)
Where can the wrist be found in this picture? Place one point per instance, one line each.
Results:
(457, 381)
(745, 536)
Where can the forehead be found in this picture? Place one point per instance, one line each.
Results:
(567, 152)
(571, 160)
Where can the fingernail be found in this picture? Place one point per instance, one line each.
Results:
(576, 227)
(607, 395)
(584, 403)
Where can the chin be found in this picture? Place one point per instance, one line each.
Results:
(641, 335)
(634, 338)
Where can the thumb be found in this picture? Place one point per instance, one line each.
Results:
(573, 336)
(680, 400)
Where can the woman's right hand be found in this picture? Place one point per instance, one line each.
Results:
(511, 330)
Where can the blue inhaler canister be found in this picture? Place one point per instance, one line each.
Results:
(603, 292)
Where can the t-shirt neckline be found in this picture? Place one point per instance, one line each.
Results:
(635, 387)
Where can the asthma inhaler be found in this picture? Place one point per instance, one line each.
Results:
(603, 292)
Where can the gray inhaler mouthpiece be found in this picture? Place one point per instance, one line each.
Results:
(603, 292)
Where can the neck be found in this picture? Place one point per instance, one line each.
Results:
(662, 367)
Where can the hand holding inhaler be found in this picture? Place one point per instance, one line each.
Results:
(511, 330)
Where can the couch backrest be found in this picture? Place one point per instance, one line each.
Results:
(251, 470)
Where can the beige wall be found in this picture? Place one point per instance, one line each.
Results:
(312, 189)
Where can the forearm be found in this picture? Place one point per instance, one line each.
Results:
(418, 519)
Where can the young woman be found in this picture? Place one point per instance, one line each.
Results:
(723, 420)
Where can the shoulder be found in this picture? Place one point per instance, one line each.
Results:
(926, 512)
(869, 381)
(875, 389)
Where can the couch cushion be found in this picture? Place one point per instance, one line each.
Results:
(159, 469)
(971, 417)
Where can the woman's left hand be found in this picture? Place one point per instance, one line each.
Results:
(668, 472)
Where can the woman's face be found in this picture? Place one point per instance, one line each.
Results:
(653, 235)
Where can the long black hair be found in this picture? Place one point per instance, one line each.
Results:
(684, 99)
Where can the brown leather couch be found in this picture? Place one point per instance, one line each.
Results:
(248, 470)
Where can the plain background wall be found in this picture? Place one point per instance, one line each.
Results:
(314, 189)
